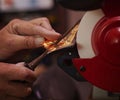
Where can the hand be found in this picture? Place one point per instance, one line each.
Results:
(20, 34)
(10, 86)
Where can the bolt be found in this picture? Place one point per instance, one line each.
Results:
(82, 68)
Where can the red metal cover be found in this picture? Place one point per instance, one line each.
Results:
(99, 72)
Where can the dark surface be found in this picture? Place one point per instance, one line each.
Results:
(82, 5)
(57, 85)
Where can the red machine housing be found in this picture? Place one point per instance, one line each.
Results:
(103, 70)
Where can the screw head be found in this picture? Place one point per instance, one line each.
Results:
(82, 68)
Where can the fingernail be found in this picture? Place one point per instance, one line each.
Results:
(20, 64)
(39, 41)
(29, 90)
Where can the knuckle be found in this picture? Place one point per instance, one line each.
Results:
(28, 75)
(25, 93)
(45, 19)
(14, 21)
(10, 43)
(14, 24)
(29, 42)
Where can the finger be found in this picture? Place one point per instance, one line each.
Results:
(26, 28)
(20, 73)
(48, 34)
(27, 42)
(22, 27)
(44, 22)
(18, 89)
(24, 42)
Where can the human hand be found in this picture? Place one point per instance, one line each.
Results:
(20, 34)
(11, 78)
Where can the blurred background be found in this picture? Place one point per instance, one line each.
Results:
(60, 18)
